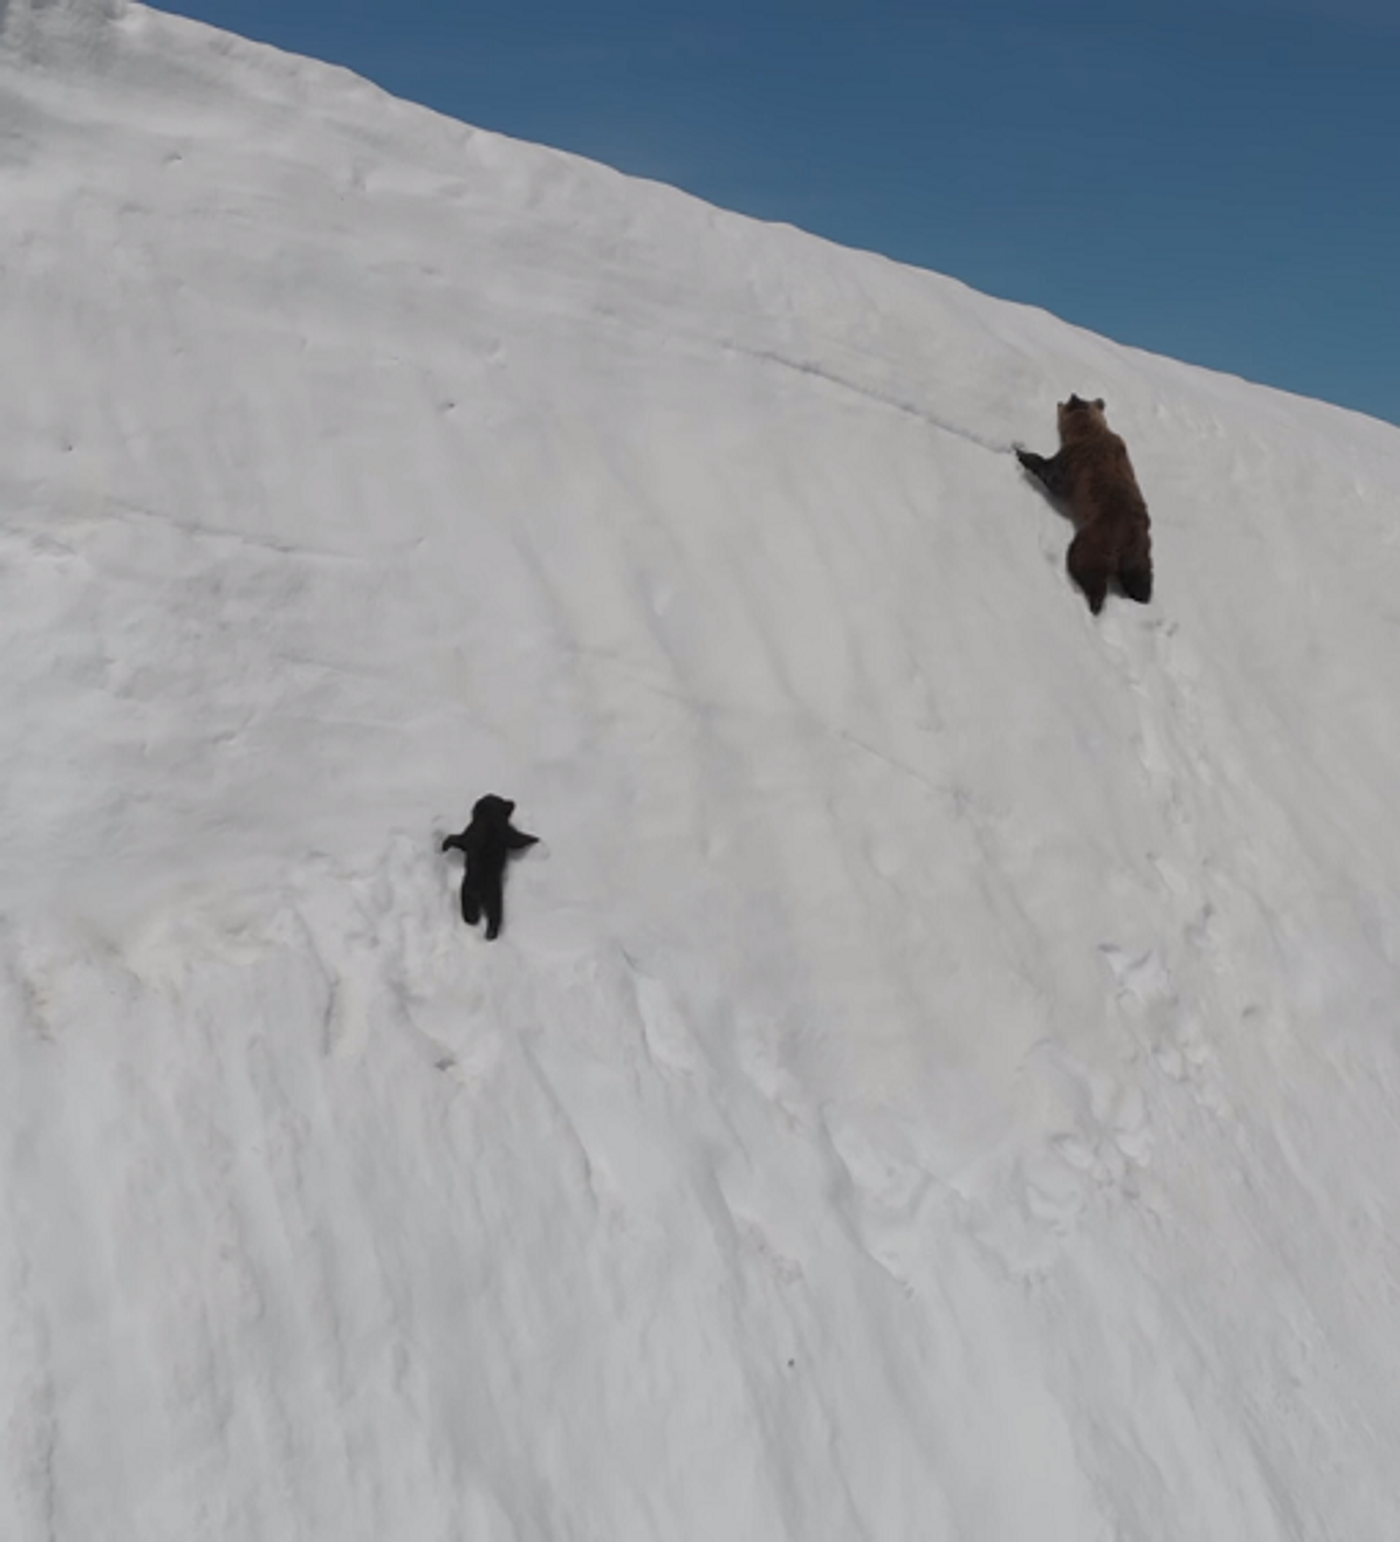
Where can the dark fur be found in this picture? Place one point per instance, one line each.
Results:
(1093, 477)
(487, 843)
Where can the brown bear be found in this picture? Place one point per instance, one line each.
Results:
(1093, 477)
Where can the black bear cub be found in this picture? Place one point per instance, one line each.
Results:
(487, 843)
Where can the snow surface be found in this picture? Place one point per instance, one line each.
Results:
(940, 1081)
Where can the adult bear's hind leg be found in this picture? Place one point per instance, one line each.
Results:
(1088, 566)
(1135, 571)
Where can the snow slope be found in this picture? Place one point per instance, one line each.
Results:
(940, 1080)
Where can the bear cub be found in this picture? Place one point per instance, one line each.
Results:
(1093, 477)
(487, 844)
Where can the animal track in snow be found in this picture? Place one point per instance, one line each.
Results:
(668, 1039)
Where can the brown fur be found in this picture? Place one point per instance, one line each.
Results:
(1093, 477)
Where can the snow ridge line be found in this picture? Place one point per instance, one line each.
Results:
(870, 393)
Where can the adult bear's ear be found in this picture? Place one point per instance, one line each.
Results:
(1100, 404)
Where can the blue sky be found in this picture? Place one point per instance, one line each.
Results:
(1219, 182)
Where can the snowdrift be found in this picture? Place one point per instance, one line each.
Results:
(940, 1080)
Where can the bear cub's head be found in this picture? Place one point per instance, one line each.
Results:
(1077, 417)
(492, 809)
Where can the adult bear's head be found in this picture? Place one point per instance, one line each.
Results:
(1078, 417)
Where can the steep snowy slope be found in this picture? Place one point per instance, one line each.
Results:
(940, 1081)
